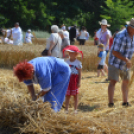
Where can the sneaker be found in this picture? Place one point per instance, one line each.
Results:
(126, 104)
(111, 105)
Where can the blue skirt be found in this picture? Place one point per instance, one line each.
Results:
(56, 95)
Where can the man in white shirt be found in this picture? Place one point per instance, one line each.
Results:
(17, 35)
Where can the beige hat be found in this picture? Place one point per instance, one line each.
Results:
(104, 22)
(131, 23)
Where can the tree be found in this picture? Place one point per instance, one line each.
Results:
(117, 12)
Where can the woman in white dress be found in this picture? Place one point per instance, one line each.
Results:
(54, 47)
(17, 35)
(29, 36)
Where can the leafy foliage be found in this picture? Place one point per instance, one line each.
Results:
(41, 14)
(118, 12)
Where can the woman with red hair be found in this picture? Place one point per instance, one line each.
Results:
(52, 74)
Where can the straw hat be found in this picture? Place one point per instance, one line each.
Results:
(131, 23)
(104, 22)
(72, 48)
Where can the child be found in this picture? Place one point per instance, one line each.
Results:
(96, 40)
(75, 79)
(102, 55)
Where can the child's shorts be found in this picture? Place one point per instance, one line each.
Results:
(100, 67)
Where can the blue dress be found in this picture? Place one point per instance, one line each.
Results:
(54, 74)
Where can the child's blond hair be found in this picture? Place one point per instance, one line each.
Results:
(101, 46)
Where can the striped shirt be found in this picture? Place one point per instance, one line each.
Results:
(124, 45)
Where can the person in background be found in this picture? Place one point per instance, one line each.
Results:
(72, 34)
(29, 36)
(65, 40)
(75, 80)
(17, 35)
(77, 34)
(120, 62)
(6, 39)
(52, 74)
(83, 36)
(55, 41)
(104, 36)
(66, 33)
(112, 39)
(102, 58)
(96, 40)
(87, 38)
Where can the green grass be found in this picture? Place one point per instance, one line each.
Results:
(39, 34)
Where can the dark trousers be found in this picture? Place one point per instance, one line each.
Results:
(82, 41)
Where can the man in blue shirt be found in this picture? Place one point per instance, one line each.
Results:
(119, 62)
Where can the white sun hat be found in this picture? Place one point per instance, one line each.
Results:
(131, 23)
(29, 30)
(104, 22)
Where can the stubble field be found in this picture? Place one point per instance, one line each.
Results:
(18, 114)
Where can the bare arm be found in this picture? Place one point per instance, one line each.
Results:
(41, 93)
(119, 56)
(79, 34)
(99, 61)
(79, 79)
(51, 47)
(31, 90)
(108, 37)
(52, 44)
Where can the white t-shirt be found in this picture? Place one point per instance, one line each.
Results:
(83, 35)
(17, 33)
(66, 34)
(8, 41)
(28, 37)
(74, 66)
(103, 56)
(17, 36)
(54, 37)
(9, 32)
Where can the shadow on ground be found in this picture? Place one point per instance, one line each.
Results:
(89, 77)
(87, 108)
